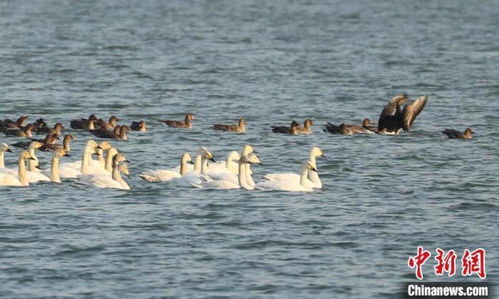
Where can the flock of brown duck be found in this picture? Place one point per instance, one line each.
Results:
(396, 116)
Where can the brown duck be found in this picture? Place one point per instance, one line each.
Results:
(84, 124)
(455, 134)
(187, 123)
(8, 124)
(119, 133)
(65, 144)
(239, 128)
(21, 132)
(139, 126)
(346, 129)
(307, 127)
(394, 118)
(292, 129)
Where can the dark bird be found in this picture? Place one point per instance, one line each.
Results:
(307, 127)
(239, 128)
(139, 126)
(187, 123)
(8, 124)
(57, 130)
(292, 129)
(366, 124)
(345, 129)
(65, 144)
(20, 132)
(84, 124)
(394, 118)
(48, 140)
(455, 134)
(119, 133)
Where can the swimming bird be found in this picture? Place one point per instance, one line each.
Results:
(139, 126)
(20, 132)
(118, 133)
(187, 123)
(301, 185)
(195, 177)
(83, 166)
(239, 128)
(7, 124)
(113, 180)
(367, 124)
(48, 140)
(455, 134)
(345, 129)
(292, 129)
(84, 124)
(54, 166)
(66, 144)
(7, 179)
(164, 175)
(313, 176)
(394, 118)
(307, 127)
(56, 130)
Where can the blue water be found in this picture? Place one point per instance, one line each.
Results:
(270, 62)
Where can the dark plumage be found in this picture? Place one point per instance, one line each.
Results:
(292, 129)
(84, 124)
(394, 118)
(455, 134)
(187, 123)
(119, 133)
(239, 128)
(139, 126)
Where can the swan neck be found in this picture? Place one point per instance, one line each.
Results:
(54, 171)
(197, 164)
(100, 155)
(116, 175)
(22, 172)
(32, 164)
(109, 161)
(204, 165)
(84, 162)
(303, 177)
(2, 159)
(249, 179)
(183, 167)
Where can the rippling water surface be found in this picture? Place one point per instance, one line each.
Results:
(271, 62)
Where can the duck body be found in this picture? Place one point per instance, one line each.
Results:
(239, 128)
(186, 124)
(455, 134)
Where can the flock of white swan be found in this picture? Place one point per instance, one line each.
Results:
(105, 171)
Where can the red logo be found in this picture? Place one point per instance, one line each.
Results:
(471, 263)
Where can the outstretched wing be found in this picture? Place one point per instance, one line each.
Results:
(411, 111)
(389, 116)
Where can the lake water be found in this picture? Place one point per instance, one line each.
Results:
(270, 62)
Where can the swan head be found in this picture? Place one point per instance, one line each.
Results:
(208, 156)
(186, 158)
(35, 145)
(91, 147)
(253, 159)
(25, 155)
(309, 166)
(317, 152)
(119, 158)
(112, 152)
(105, 145)
(5, 148)
(247, 149)
(123, 168)
(233, 156)
(59, 153)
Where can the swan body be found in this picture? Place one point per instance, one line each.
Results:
(84, 166)
(303, 185)
(164, 175)
(313, 176)
(114, 180)
(21, 178)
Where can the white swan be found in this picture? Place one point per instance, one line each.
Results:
(163, 175)
(21, 178)
(242, 179)
(54, 168)
(114, 180)
(194, 178)
(3, 148)
(293, 177)
(226, 170)
(304, 184)
(33, 174)
(73, 169)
